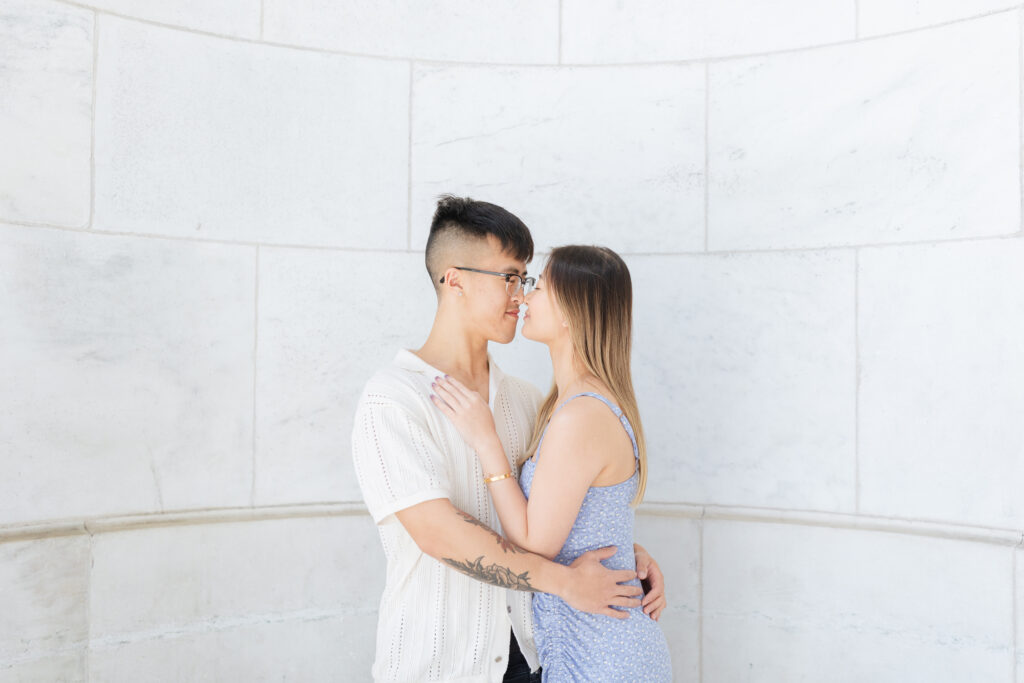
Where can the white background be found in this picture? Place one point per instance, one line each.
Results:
(211, 224)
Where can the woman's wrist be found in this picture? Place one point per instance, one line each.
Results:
(492, 457)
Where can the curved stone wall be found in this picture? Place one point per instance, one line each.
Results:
(212, 218)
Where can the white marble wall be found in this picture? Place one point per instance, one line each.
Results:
(790, 602)
(277, 599)
(212, 217)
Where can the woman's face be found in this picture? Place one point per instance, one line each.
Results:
(543, 319)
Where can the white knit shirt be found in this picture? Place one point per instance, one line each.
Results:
(435, 623)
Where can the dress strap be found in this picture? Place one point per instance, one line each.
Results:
(615, 409)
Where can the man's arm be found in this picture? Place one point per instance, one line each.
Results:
(653, 581)
(467, 545)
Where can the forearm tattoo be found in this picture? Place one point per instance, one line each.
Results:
(506, 545)
(494, 574)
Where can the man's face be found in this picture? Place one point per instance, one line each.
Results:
(490, 310)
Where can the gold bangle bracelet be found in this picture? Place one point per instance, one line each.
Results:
(488, 480)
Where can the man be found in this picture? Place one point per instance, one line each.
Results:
(454, 588)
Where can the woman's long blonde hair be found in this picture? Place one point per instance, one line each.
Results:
(592, 287)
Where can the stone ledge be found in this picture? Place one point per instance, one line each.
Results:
(97, 525)
(836, 520)
(962, 532)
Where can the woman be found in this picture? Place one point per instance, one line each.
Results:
(588, 469)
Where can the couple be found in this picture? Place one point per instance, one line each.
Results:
(442, 444)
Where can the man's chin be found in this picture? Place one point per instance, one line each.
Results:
(504, 338)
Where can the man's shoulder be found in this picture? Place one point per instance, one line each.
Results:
(392, 384)
(524, 391)
(522, 384)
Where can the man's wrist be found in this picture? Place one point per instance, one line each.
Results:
(553, 578)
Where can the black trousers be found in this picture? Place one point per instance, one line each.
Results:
(518, 670)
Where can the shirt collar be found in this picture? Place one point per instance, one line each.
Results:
(407, 360)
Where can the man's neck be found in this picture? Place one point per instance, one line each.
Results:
(456, 352)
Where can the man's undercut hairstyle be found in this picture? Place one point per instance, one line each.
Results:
(460, 221)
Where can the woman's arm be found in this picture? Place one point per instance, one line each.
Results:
(570, 461)
(571, 464)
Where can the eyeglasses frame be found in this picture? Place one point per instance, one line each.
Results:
(523, 281)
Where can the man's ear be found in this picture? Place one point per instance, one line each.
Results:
(453, 281)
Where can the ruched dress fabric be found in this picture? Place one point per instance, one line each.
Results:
(581, 647)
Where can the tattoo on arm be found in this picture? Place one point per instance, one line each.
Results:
(506, 545)
(494, 574)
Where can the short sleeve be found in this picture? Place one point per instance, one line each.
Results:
(397, 461)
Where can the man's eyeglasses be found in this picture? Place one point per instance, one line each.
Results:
(514, 283)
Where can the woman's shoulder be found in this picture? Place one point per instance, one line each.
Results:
(588, 420)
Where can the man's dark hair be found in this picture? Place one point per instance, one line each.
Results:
(458, 219)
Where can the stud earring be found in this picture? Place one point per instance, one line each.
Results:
(460, 293)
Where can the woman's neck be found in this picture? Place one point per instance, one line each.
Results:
(570, 378)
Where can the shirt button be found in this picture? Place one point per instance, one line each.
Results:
(497, 659)
(509, 608)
